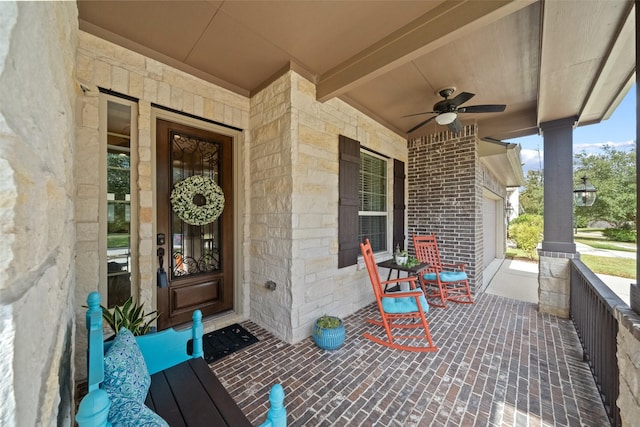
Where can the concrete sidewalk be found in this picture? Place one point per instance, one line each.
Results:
(518, 280)
(588, 250)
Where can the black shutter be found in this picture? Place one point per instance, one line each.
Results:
(398, 204)
(349, 183)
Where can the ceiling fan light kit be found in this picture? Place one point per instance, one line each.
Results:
(446, 118)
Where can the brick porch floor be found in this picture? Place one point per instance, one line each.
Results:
(499, 363)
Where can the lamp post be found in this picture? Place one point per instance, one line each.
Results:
(584, 194)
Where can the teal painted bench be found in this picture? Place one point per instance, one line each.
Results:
(183, 391)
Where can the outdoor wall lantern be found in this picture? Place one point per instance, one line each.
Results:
(584, 194)
(508, 210)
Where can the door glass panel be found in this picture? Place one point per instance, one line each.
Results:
(195, 249)
(118, 203)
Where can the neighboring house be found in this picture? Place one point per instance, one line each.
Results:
(94, 138)
(513, 203)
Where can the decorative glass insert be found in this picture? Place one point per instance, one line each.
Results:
(195, 249)
(372, 219)
(118, 203)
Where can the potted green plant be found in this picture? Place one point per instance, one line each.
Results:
(401, 257)
(129, 315)
(329, 332)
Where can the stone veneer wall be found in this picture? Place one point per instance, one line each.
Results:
(37, 275)
(294, 208)
(445, 196)
(270, 226)
(288, 185)
(554, 282)
(628, 365)
(106, 65)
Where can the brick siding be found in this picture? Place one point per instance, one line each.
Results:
(445, 196)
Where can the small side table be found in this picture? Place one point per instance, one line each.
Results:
(411, 271)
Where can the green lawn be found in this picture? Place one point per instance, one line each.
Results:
(621, 267)
(118, 241)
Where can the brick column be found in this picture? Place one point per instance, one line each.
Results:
(557, 246)
(445, 196)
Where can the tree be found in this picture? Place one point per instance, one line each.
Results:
(532, 197)
(613, 173)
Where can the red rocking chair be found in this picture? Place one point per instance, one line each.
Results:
(440, 282)
(396, 306)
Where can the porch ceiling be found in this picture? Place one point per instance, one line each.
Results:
(544, 60)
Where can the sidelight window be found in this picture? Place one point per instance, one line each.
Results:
(117, 221)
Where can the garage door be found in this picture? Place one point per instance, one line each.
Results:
(489, 229)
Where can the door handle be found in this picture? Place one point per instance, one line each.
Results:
(163, 280)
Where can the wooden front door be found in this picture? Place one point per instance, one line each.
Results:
(196, 249)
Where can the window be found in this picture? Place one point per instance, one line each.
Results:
(117, 211)
(372, 213)
(364, 201)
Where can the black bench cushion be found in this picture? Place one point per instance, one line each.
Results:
(190, 395)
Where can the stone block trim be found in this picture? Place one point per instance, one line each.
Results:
(628, 364)
(554, 285)
(445, 196)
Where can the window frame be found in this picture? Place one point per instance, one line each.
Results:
(104, 100)
(388, 213)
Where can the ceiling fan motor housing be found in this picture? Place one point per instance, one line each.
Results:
(446, 92)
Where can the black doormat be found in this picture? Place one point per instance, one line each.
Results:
(220, 343)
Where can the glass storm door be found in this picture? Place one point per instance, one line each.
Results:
(195, 222)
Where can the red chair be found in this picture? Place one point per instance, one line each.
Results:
(440, 282)
(395, 306)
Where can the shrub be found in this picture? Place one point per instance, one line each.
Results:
(624, 234)
(532, 219)
(580, 222)
(526, 231)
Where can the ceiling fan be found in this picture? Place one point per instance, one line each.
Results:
(447, 110)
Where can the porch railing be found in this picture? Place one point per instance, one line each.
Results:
(592, 310)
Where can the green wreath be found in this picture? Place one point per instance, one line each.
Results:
(185, 193)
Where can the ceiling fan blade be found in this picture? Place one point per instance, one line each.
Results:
(490, 108)
(461, 98)
(421, 124)
(455, 126)
(419, 114)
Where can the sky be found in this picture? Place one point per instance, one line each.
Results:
(618, 131)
